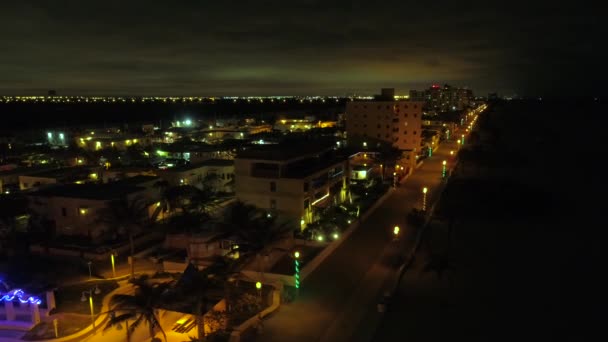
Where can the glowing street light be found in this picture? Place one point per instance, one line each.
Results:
(443, 169)
(89, 294)
(396, 230)
(113, 266)
(424, 191)
(296, 262)
(258, 286)
(463, 139)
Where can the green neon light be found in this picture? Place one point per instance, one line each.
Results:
(297, 274)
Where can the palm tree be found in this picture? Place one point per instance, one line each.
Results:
(387, 156)
(141, 306)
(226, 271)
(254, 229)
(125, 217)
(116, 321)
(189, 199)
(197, 284)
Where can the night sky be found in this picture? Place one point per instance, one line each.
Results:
(225, 47)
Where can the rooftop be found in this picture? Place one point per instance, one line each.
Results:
(284, 151)
(136, 180)
(75, 171)
(25, 170)
(190, 147)
(108, 191)
(217, 162)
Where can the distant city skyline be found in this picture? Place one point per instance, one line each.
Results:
(298, 48)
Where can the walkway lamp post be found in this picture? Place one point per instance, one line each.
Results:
(443, 169)
(296, 262)
(89, 294)
(258, 286)
(90, 273)
(113, 265)
(424, 191)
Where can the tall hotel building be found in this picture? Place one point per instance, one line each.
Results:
(384, 118)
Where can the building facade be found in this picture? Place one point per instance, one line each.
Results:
(396, 122)
(291, 182)
(74, 209)
(444, 98)
(216, 175)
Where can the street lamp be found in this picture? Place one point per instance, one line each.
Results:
(113, 266)
(258, 285)
(89, 294)
(394, 179)
(463, 139)
(424, 191)
(396, 231)
(443, 169)
(90, 274)
(297, 271)
(451, 153)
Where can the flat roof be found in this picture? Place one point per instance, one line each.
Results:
(136, 180)
(284, 151)
(62, 172)
(21, 170)
(314, 166)
(180, 147)
(107, 191)
(217, 162)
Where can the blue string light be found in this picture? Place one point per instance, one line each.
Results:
(20, 295)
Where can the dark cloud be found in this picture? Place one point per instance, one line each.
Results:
(297, 47)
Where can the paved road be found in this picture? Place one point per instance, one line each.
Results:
(342, 291)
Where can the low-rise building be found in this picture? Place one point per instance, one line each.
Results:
(193, 152)
(291, 180)
(214, 174)
(66, 175)
(73, 209)
(9, 178)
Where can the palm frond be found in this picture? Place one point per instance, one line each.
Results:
(114, 320)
